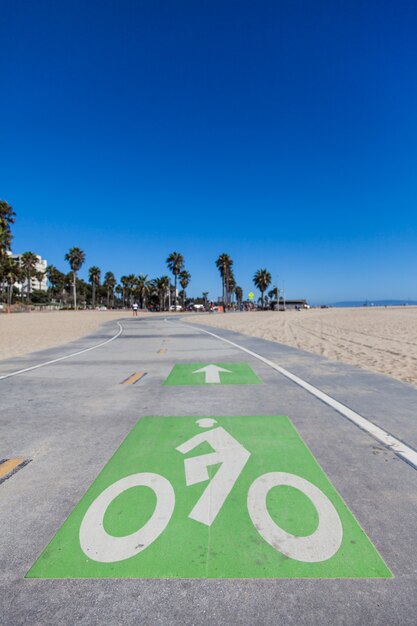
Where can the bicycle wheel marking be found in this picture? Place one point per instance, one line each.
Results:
(224, 497)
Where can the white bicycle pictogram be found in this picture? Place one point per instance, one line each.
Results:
(232, 457)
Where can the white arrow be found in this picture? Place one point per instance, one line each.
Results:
(212, 373)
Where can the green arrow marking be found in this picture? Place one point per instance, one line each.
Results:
(212, 373)
(225, 497)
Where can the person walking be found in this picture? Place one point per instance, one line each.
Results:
(135, 309)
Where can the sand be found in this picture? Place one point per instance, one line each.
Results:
(377, 339)
(21, 333)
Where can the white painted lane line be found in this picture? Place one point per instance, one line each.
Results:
(62, 358)
(401, 449)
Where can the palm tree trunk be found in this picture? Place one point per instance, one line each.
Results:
(74, 289)
(175, 292)
(94, 293)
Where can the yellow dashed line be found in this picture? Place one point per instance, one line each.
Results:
(134, 378)
(8, 466)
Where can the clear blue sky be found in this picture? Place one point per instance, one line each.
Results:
(281, 132)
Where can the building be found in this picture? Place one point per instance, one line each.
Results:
(41, 266)
(296, 304)
(288, 304)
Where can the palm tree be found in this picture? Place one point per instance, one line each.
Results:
(56, 281)
(273, 294)
(120, 292)
(224, 265)
(76, 258)
(230, 286)
(11, 273)
(39, 277)
(28, 263)
(142, 287)
(153, 299)
(175, 263)
(185, 278)
(162, 286)
(131, 282)
(125, 289)
(7, 216)
(109, 283)
(262, 280)
(239, 295)
(83, 291)
(94, 275)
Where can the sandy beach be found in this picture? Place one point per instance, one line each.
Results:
(378, 339)
(21, 333)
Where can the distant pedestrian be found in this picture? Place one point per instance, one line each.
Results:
(135, 309)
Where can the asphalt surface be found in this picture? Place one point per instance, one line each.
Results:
(70, 417)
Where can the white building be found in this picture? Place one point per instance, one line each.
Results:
(41, 266)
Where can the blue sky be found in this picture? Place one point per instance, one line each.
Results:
(282, 133)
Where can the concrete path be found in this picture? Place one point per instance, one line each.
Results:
(70, 417)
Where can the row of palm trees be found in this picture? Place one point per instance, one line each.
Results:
(140, 288)
(7, 218)
(10, 271)
(262, 280)
(131, 287)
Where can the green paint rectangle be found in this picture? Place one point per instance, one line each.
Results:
(232, 544)
(187, 374)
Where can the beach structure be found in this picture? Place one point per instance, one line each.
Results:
(289, 304)
(296, 304)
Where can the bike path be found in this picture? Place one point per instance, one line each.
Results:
(71, 417)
